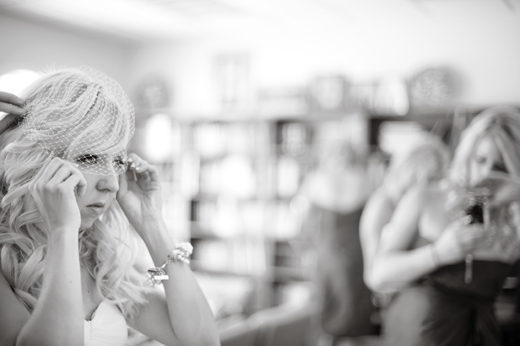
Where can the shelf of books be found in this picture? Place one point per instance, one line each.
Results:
(231, 188)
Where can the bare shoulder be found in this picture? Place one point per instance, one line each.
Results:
(13, 314)
(434, 197)
(425, 196)
(377, 212)
(414, 198)
(378, 201)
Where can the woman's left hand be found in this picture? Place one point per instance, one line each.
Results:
(139, 193)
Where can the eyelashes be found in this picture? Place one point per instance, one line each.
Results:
(101, 164)
(88, 159)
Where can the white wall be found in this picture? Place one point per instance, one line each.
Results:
(478, 38)
(30, 44)
(482, 43)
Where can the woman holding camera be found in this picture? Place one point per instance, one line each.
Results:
(447, 266)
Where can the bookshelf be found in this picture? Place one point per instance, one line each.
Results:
(239, 214)
(230, 188)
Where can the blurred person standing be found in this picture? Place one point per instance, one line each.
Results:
(449, 261)
(424, 163)
(337, 191)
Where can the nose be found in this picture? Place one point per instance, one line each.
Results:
(108, 183)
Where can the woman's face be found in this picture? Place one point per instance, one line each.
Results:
(101, 188)
(485, 158)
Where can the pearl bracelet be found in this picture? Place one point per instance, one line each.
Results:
(181, 253)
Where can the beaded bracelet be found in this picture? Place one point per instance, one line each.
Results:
(181, 253)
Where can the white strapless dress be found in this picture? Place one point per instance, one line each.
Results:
(107, 327)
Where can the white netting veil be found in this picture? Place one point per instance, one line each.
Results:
(83, 116)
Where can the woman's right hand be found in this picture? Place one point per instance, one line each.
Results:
(458, 240)
(54, 191)
(502, 188)
(10, 103)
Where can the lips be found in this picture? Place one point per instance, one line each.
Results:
(97, 205)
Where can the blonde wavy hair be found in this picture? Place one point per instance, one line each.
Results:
(502, 125)
(108, 248)
(421, 165)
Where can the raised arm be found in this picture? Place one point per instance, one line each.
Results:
(57, 318)
(394, 264)
(397, 264)
(182, 315)
(10, 103)
(376, 214)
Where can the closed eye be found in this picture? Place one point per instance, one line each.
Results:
(88, 159)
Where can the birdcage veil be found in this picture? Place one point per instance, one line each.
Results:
(83, 116)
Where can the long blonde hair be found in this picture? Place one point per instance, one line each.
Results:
(502, 125)
(425, 163)
(108, 248)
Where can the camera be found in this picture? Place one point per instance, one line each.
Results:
(476, 211)
(474, 205)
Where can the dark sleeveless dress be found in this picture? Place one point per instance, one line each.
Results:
(442, 310)
(346, 306)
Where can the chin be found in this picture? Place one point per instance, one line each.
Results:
(86, 224)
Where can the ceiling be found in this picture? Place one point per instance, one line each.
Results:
(145, 20)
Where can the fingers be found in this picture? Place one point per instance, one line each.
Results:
(11, 103)
(472, 235)
(58, 172)
(11, 109)
(75, 181)
(10, 98)
(141, 169)
(503, 188)
(70, 178)
(468, 236)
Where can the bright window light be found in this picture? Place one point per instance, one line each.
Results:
(17, 80)
(159, 138)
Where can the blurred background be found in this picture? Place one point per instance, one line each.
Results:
(240, 102)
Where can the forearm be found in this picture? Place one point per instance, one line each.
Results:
(57, 318)
(191, 318)
(394, 270)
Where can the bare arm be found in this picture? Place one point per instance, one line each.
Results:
(57, 318)
(394, 265)
(182, 315)
(10, 103)
(376, 214)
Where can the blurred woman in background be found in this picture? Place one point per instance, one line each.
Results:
(447, 267)
(337, 191)
(421, 165)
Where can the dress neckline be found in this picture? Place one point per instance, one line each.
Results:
(93, 314)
